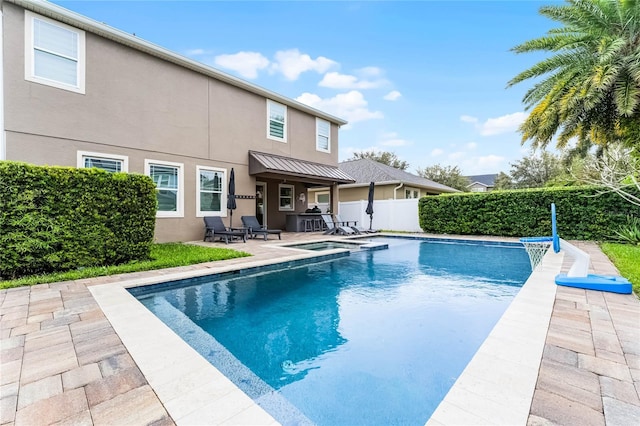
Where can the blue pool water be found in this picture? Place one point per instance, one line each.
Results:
(371, 338)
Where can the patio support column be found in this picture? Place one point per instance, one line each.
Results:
(334, 198)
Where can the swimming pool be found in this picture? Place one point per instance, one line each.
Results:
(354, 340)
(359, 244)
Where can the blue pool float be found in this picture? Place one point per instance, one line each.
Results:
(610, 283)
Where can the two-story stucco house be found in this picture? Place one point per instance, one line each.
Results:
(78, 93)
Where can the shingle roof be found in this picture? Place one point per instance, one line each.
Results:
(488, 180)
(365, 170)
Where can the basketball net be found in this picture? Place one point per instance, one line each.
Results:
(536, 248)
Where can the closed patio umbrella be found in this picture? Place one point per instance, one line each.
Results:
(231, 197)
(369, 209)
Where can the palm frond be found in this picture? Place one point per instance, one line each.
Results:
(571, 59)
(552, 43)
(627, 96)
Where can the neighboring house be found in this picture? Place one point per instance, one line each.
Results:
(481, 183)
(79, 93)
(390, 184)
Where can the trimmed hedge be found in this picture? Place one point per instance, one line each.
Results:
(60, 218)
(581, 213)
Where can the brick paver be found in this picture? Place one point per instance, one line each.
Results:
(587, 372)
(61, 362)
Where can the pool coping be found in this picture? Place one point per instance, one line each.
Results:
(193, 391)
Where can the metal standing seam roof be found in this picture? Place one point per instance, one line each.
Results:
(366, 170)
(82, 22)
(260, 162)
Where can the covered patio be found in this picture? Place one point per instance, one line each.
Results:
(282, 185)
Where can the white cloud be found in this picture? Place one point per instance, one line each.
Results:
(349, 150)
(195, 52)
(352, 106)
(370, 72)
(335, 80)
(471, 145)
(394, 95)
(505, 124)
(394, 142)
(291, 63)
(436, 152)
(490, 160)
(247, 64)
(456, 155)
(468, 119)
(496, 126)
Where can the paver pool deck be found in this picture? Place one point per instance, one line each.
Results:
(77, 353)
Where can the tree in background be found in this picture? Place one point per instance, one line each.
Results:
(590, 88)
(535, 171)
(447, 175)
(503, 181)
(617, 170)
(384, 157)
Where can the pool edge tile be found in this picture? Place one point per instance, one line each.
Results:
(119, 307)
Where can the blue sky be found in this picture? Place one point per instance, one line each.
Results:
(423, 79)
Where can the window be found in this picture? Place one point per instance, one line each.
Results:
(168, 178)
(411, 193)
(323, 135)
(286, 197)
(109, 162)
(276, 121)
(210, 192)
(55, 53)
(478, 189)
(322, 197)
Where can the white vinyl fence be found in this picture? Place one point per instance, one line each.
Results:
(392, 215)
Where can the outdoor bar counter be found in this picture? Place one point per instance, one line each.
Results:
(296, 222)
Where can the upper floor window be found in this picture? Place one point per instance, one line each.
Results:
(276, 121)
(210, 196)
(55, 53)
(109, 162)
(323, 135)
(169, 181)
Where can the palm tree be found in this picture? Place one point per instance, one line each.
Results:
(590, 88)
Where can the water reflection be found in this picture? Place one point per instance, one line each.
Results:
(273, 322)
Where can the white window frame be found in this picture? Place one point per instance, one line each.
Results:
(318, 193)
(223, 194)
(83, 154)
(479, 189)
(29, 55)
(412, 192)
(180, 199)
(293, 197)
(328, 135)
(284, 127)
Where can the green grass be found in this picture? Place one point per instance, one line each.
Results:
(626, 257)
(166, 255)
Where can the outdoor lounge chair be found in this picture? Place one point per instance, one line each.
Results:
(335, 228)
(357, 229)
(213, 227)
(251, 222)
